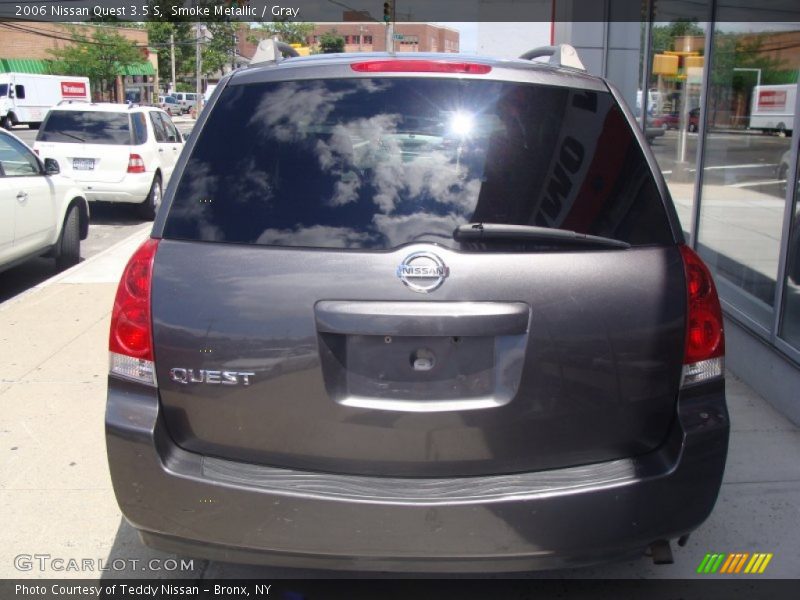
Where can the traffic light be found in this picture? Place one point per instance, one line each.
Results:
(387, 11)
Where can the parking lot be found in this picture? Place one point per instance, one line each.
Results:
(55, 491)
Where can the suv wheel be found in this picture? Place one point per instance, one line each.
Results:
(69, 244)
(148, 208)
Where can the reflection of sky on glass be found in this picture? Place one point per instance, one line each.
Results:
(394, 160)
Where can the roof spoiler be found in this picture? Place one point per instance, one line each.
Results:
(272, 51)
(562, 55)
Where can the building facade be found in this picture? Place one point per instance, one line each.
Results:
(26, 46)
(720, 80)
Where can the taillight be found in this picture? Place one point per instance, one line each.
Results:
(419, 66)
(130, 344)
(135, 164)
(704, 348)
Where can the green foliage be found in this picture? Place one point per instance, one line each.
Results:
(331, 43)
(100, 58)
(159, 32)
(663, 36)
(219, 50)
(286, 31)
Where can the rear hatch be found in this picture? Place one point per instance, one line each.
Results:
(315, 307)
(90, 146)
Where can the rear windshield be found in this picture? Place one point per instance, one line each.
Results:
(92, 127)
(378, 163)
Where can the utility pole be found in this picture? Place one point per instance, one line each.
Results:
(198, 65)
(172, 59)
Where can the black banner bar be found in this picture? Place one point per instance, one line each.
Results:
(404, 10)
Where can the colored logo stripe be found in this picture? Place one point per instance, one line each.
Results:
(734, 563)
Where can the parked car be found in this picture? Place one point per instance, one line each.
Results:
(667, 120)
(169, 104)
(114, 152)
(428, 312)
(186, 100)
(41, 212)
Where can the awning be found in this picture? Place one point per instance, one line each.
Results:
(46, 67)
(24, 65)
(144, 68)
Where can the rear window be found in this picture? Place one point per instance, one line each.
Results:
(92, 127)
(378, 163)
(3, 90)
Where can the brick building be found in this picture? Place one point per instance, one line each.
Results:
(368, 36)
(25, 47)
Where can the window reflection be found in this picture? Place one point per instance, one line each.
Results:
(744, 183)
(673, 101)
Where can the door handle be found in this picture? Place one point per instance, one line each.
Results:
(160, 149)
(22, 197)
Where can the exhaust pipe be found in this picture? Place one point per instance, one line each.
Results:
(661, 552)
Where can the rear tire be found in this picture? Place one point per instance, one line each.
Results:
(69, 244)
(148, 208)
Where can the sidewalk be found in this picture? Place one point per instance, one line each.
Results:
(56, 496)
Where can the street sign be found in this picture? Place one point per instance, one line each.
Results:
(398, 36)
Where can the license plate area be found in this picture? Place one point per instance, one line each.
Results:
(83, 164)
(419, 368)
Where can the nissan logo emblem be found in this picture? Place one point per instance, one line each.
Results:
(422, 272)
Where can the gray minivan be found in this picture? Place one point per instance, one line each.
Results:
(428, 313)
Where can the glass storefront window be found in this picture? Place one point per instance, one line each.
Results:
(750, 115)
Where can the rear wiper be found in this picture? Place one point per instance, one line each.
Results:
(476, 232)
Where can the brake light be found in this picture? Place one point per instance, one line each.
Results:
(419, 66)
(130, 343)
(704, 348)
(135, 164)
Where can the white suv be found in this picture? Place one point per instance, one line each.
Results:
(41, 212)
(114, 152)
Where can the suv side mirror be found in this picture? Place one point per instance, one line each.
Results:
(51, 166)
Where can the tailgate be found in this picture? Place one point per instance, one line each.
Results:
(97, 163)
(324, 360)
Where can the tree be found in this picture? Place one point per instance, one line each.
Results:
(159, 37)
(663, 36)
(100, 58)
(219, 50)
(285, 31)
(331, 43)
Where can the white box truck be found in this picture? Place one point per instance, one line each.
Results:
(26, 98)
(773, 108)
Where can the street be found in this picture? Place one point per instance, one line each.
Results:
(742, 159)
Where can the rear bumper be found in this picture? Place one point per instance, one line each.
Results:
(133, 189)
(221, 510)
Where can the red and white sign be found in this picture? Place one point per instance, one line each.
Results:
(771, 100)
(73, 89)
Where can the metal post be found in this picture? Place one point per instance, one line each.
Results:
(702, 121)
(647, 64)
(788, 217)
(172, 60)
(198, 65)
